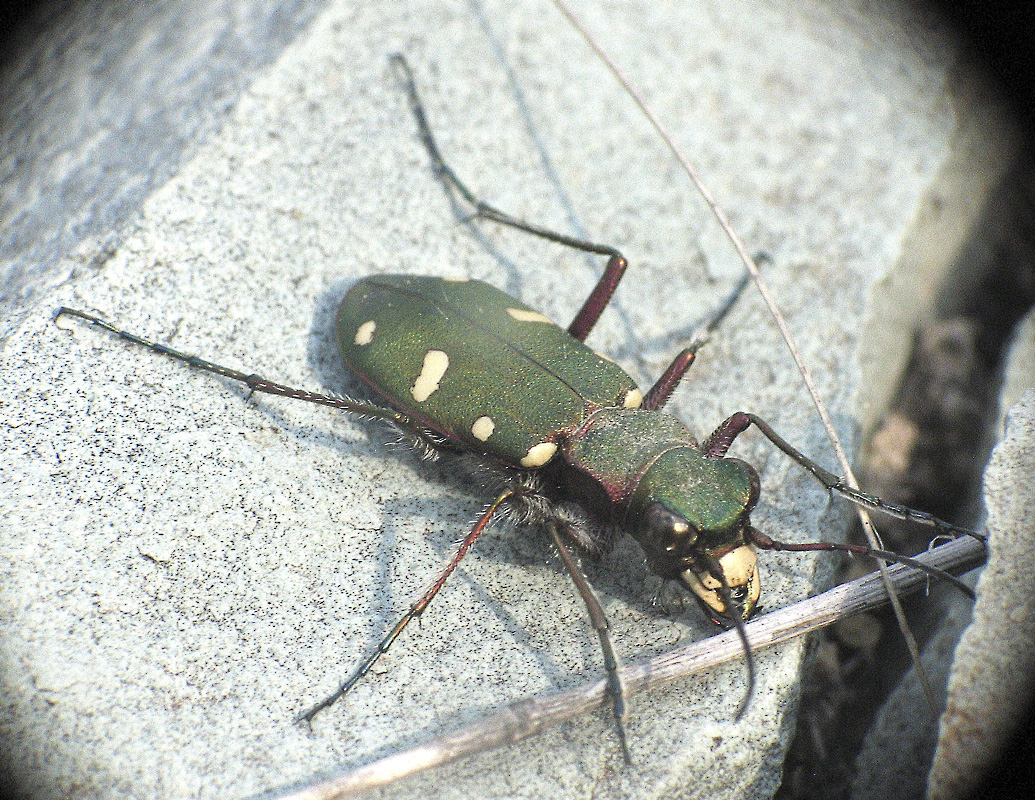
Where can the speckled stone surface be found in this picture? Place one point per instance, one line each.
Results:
(184, 570)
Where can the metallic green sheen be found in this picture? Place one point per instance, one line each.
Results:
(616, 445)
(712, 494)
(531, 378)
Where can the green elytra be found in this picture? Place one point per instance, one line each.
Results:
(501, 362)
(579, 450)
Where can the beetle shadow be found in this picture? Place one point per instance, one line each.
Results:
(637, 348)
(444, 529)
(514, 281)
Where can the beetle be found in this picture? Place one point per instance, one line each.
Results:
(572, 442)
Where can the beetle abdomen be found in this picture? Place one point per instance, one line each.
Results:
(476, 365)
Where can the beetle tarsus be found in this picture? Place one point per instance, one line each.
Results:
(612, 665)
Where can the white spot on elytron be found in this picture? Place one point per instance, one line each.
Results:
(365, 333)
(539, 454)
(456, 279)
(435, 365)
(524, 315)
(606, 358)
(483, 428)
(633, 399)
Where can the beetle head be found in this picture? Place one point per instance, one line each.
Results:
(690, 514)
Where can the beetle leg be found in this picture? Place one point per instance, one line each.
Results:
(616, 264)
(599, 620)
(666, 384)
(256, 383)
(719, 442)
(716, 445)
(411, 614)
(661, 391)
(598, 299)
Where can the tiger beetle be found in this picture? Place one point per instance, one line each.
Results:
(574, 445)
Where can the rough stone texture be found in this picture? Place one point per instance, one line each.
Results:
(907, 734)
(983, 650)
(990, 688)
(99, 103)
(183, 570)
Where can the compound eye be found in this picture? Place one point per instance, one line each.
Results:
(676, 533)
